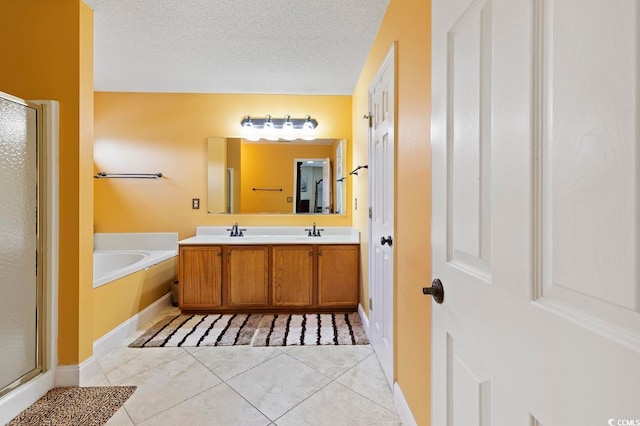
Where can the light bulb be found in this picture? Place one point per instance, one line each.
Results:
(269, 129)
(287, 129)
(247, 123)
(308, 129)
(248, 131)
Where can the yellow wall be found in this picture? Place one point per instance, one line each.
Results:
(47, 53)
(272, 166)
(119, 300)
(408, 23)
(167, 132)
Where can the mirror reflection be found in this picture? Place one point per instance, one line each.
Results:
(263, 176)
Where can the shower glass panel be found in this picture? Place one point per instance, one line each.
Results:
(19, 242)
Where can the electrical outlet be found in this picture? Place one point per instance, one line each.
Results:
(195, 203)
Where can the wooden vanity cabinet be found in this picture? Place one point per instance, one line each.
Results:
(269, 278)
(292, 273)
(247, 276)
(200, 277)
(338, 275)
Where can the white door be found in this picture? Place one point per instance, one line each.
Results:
(382, 178)
(536, 215)
(339, 178)
(326, 185)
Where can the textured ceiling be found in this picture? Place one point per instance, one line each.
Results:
(233, 46)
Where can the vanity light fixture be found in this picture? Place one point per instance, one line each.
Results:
(286, 128)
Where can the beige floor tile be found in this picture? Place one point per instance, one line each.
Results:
(368, 380)
(277, 385)
(220, 405)
(122, 363)
(229, 361)
(193, 350)
(120, 418)
(331, 361)
(336, 405)
(98, 378)
(166, 386)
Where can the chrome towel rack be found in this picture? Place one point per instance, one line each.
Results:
(267, 189)
(105, 175)
(355, 171)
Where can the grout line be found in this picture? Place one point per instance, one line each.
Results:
(249, 402)
(312, 394)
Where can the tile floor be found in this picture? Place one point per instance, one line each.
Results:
(243, 385)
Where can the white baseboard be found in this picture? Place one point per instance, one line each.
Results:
(402, 407)
(114, 338)
(19, 399)
(76, 375)
(365, 320)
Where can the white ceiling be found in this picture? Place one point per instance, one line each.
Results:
(233, 46)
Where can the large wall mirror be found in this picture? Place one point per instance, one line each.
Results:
(263, 176)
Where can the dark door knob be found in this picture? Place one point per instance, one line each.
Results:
(387, 240)
(436, 290)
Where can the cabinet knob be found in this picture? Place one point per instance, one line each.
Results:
(319, 253)
(310, 253)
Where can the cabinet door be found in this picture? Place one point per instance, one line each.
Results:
(200, 277)
(247, 275)
(292, 275)
(338, 275)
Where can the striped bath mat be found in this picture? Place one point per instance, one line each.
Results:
(310, 329)
(200, 330)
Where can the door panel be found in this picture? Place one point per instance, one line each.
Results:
(247, 275)
(338, 275)
(200, 277)
(589, 168)
(535, 198)
(469, 141)
(292, 275)
(470, 388)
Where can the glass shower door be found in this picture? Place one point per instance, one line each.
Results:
(20, 277)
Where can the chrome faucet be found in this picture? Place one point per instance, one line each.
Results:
(314, 232)
(235, 231)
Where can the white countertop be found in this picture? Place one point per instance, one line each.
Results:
(214, 235)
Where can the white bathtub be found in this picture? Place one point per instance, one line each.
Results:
(109, 265)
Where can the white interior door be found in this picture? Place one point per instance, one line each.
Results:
(382, 178)
(536, 236)
(339, 178)
(326, 185)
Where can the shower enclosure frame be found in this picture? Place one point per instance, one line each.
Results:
(41, 256)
